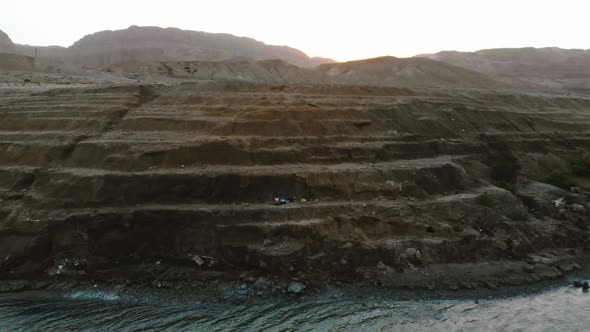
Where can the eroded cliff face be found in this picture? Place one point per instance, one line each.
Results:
(118, 176)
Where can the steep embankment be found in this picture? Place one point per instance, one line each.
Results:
(151, 182)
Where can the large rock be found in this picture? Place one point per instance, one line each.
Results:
(296, 288)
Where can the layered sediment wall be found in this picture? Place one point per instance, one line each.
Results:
(117, 176)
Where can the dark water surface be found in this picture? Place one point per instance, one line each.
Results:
(556, 309)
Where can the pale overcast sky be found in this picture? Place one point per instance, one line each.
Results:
(343, 30)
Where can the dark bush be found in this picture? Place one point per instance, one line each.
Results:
(581, 168)
(511, 187)
(503, 164)
(517, 215)
(561, 180)
(485, 200)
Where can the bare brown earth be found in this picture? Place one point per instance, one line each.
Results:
(132, 181)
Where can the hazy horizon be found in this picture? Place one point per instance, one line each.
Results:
(332, 29)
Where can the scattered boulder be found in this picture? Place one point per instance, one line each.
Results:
(347, 245)
(262, 284)
(559, 203)
(68, 266)
(381, 266)
(577, 207)
(411, 252)
(546, 199)
(296, 288)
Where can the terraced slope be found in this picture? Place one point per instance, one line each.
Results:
(126, 175)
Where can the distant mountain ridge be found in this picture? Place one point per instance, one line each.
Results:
(144, 52)
(106, 48)
(549, 62)
(550, 67)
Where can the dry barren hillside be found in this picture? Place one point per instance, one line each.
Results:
(388, 183)
(413, 72)
(552, 67)
(146, 44)
(523, 62)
